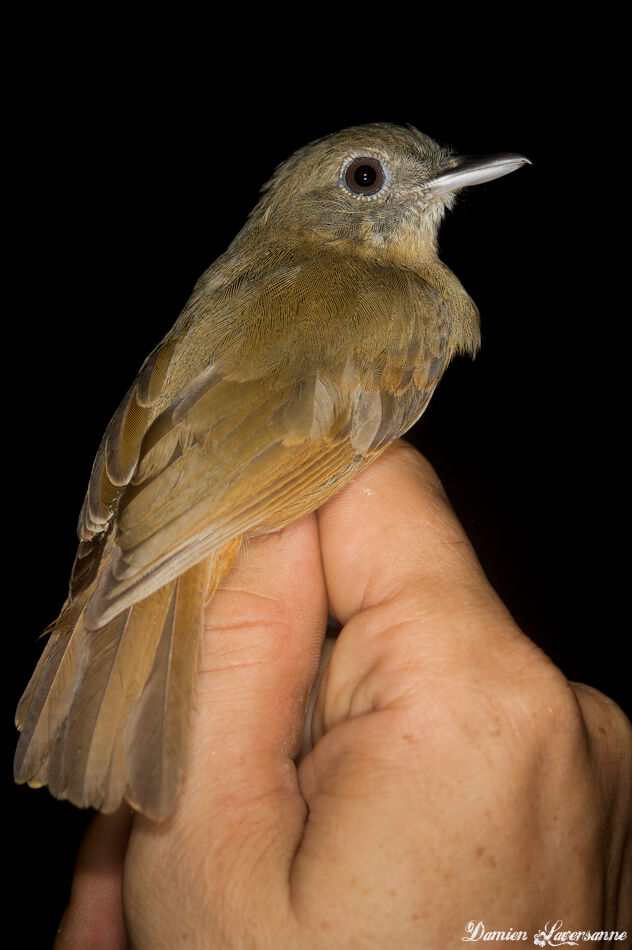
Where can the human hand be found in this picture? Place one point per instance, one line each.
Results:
(455, 773)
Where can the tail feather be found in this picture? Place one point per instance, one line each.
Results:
(106, 712)
(46, 700)
(155, 733)
(117, 661)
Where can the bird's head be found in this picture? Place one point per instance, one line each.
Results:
(380, 187)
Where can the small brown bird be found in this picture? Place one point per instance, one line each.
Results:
(311, 344)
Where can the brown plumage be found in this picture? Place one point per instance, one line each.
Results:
(304, 351)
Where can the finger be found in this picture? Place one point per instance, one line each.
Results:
(263, 639)
(94, 916)
(325, 656)
(609, 737)
(404, 580)
(240, 810)
(393, 526)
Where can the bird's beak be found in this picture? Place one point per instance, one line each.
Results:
(474, 170)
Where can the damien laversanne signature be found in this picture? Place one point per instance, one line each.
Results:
(552, 934)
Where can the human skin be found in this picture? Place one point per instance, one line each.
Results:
(455, 775)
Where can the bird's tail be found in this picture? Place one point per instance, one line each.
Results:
(105, 714)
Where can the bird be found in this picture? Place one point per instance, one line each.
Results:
(309, 346)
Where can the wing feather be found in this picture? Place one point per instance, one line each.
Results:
(248, 444)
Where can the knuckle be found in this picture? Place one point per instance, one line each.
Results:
(605, 718)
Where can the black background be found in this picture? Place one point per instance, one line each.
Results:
(135, 162)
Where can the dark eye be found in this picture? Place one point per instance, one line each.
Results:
(365, 176)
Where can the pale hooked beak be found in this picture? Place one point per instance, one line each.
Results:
(474, 170)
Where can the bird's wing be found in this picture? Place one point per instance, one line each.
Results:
(261, 437)
(269, 416)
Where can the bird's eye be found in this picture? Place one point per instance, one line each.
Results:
(365, 176)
